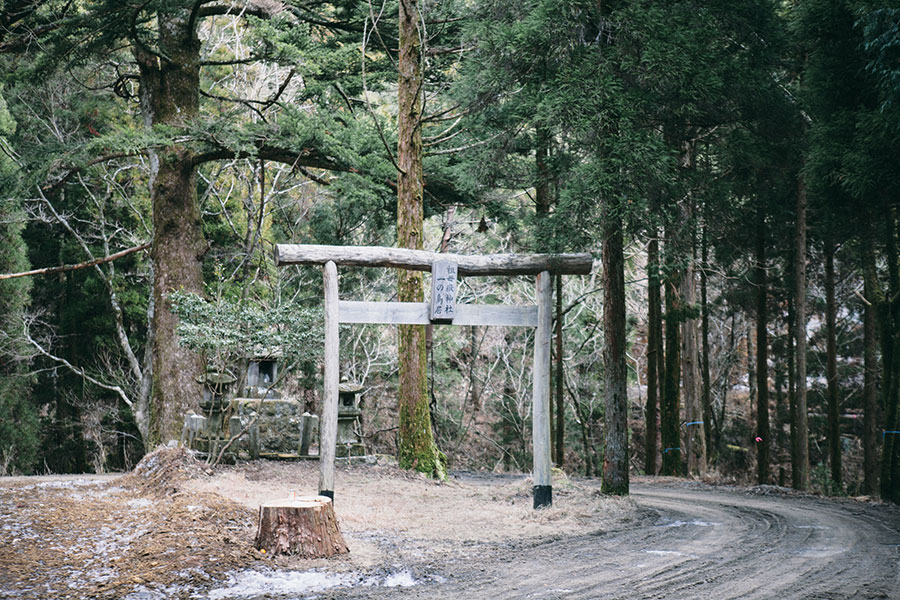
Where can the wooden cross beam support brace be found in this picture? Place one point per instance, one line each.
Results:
(417, 313)
(422, 260)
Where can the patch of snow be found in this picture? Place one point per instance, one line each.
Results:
(102, 574)
(142, 592)
(399, 579)
(669, 553)
(695, 523)
(140, 503)
(249, 584)
(252, 584)
(111, 491)
(65, 484)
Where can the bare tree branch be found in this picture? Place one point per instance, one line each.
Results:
(80, 372)
(82, 265)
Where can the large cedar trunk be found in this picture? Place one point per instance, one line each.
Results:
(890, 357)
(762, 355)
(615, 461)
(694, 438)
(870, 363)
(670, 408)
(834, 425)
(706, 399)
(654, 322)
(170, 94)
(800, 451)
(416, 447)
(792, 375)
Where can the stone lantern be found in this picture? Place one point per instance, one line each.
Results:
(349, 425)
(216, 396)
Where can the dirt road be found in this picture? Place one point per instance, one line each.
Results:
(693, 542)
(174, 529)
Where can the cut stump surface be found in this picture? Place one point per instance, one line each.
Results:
(306, 527)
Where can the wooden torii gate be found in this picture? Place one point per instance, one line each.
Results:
(442, 310)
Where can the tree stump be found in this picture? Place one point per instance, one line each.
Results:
(306, 527)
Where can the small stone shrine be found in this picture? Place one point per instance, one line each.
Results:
(262, 372)
(349, 421)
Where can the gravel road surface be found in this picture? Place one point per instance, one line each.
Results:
(692, 542)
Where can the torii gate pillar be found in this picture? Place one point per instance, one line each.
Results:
(540, 405)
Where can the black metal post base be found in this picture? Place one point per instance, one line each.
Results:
(543, 495)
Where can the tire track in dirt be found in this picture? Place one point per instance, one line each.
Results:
(696, 542)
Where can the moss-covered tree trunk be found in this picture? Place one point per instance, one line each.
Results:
(170, 85)
(416, 447)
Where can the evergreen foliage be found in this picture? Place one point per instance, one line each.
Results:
(19, 434)
(548, 125)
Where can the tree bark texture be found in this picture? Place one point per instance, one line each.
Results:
(834, 424)
(615, 461)
(706, 398)
(416, 447)
(670, 408)
(170, 88)
(751, 371)
(870, 364)
(890, 357)
(654, 338)
(800, 454)
(763, 442)
(792, 373)
(559, 391)
(694, 438)
(303, 527)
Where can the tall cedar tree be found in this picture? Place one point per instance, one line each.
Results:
(654, 348)
(615, 458)
(164, 42)
(416, 446)
(18, 414)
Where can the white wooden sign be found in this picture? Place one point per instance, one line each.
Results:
(443, 291)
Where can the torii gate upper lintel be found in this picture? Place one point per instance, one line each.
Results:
(543, 266)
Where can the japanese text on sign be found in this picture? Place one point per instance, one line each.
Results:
(443, 290)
